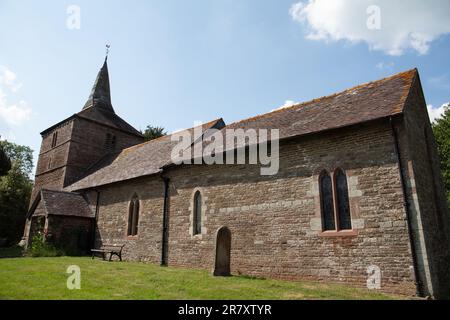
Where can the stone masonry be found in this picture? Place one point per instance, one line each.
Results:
(378, 134)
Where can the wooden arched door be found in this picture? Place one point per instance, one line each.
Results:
(223, 252)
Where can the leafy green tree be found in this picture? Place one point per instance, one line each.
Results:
(22, 156)
(5, 163)
(153, 133)
(441, 129)
(15, 192)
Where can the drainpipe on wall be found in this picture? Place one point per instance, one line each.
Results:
(97, 202)
(165, 229)
(419, 286)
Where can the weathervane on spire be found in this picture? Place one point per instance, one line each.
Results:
(107, 50)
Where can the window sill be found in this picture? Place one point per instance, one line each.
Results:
(335, 234)
(131, 237)
(197, 236)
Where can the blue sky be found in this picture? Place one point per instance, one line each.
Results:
(175, 62)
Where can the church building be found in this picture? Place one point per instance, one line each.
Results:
(358, 194)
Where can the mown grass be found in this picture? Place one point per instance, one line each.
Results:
(45, 278)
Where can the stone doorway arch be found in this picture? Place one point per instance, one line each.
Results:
(223, 252)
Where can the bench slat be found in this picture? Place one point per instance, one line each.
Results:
(109, 249)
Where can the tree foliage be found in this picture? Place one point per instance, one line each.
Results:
(5, 163)
(151, 133)
(21, 156)
(441, 129)
(15, 191)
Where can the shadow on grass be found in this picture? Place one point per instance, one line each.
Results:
(11, 252)
(243, 276)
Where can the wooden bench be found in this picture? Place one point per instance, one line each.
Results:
(112, 250)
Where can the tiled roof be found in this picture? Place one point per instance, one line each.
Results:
(140, 160)
(366, 102)
(63, 203)
(108, 118)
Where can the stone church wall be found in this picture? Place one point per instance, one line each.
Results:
(428, 204)
(89, 143)
(73, 234)
(112, 218)
(50, 169)
(275, 221)
(80, 144)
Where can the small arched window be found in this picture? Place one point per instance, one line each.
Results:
(326, 199)
(110, 142)
(54, 139)
(197, 221)
(342, 205)
(133, 216)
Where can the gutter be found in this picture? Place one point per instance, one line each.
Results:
(418, 282)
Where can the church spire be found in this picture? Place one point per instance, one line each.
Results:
(100, 96)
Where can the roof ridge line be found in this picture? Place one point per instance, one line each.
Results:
(61, 191)
(170, 134)
(301, 104)
(410, 89)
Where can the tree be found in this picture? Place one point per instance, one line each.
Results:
(153, 132)
(5, 163)
(441, 130)
(22, 156)
(15, 192)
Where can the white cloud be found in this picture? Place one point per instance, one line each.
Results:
(8, 136)
(385, 65)
(436, 113)
(287, 104)
(404, 24)
(9, 79)
(14, 114)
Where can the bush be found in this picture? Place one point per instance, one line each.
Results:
(11, 252)
(39, 248)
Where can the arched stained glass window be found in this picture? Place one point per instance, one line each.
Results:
(327, 207)
(343, 206)
(133, 216)
(197, 227)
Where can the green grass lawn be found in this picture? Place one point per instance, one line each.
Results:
(45, 278)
